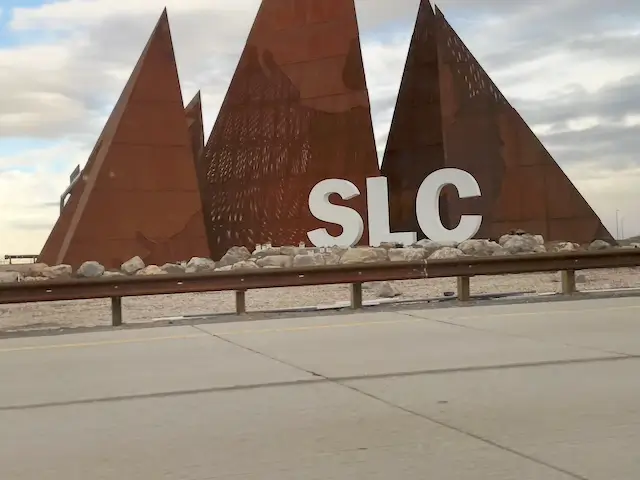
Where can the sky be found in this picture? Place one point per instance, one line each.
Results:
(570, 67)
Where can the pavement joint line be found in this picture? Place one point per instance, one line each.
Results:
(355, 389)
(409, 316)
(462, 431)
(315, 378)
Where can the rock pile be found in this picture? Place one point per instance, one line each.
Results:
(240, 258)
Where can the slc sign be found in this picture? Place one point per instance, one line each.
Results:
(427, 211)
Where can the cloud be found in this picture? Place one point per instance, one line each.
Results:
(568, 66)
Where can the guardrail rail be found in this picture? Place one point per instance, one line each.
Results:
(11, 258)
(354, 274)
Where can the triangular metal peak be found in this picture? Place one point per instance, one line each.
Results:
(139, 193)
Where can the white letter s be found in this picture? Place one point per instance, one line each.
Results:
(320, 207)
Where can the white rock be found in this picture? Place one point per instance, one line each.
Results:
(57, 271)
(388, 245)
(293, 251)
(174, 269)
(310, 260)
(424, 243)
(521, 244)
(34, 279)
(244, 265)
(446, 252)
(266, 252)
(449, 243)
(635, 245)
(90, 270)
(432, 245)
(36, 270)
(279, 261)
(11, 277)
(198, 264)
(26, 269)
(480, 248)
(331, 258)
(502, 240)
(339, 251)
(564, 247)
(599, 245)
(113, 274)
(364, 255)
(241, 252)
(226, 268)
(429, 246)
(289, 250)
(407, 254)
(234, 255)
(539, 239)
(387, 290)
(132, 265)
(151, 270)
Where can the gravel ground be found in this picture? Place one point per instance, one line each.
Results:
(87, 313)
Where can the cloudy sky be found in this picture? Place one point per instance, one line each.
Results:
(571, 67)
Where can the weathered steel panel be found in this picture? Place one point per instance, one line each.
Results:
(415, 146)
(297, 112)
(486, 136)
(138, 194)
(195, 124)
(450, 114)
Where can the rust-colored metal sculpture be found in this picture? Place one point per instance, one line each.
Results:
(450, 114)
(297, 112)
(138, 194)
(195, 124)
(415, 146)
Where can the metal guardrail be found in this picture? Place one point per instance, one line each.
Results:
(355, 274)
(10, 258)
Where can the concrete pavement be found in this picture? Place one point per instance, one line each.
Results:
(541, 391)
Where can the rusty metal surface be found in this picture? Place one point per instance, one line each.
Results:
(195, 124)
(297, 112)
(76, 289)
(522, 185)
(138, 194)
(415, 146)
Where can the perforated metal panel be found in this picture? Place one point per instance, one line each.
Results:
(451, 114)
(296, 112)
(415, 147)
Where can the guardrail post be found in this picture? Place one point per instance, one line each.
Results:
(356, 296)
(241, 302)
(116, 311)
(464, 289)
(568, 278)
